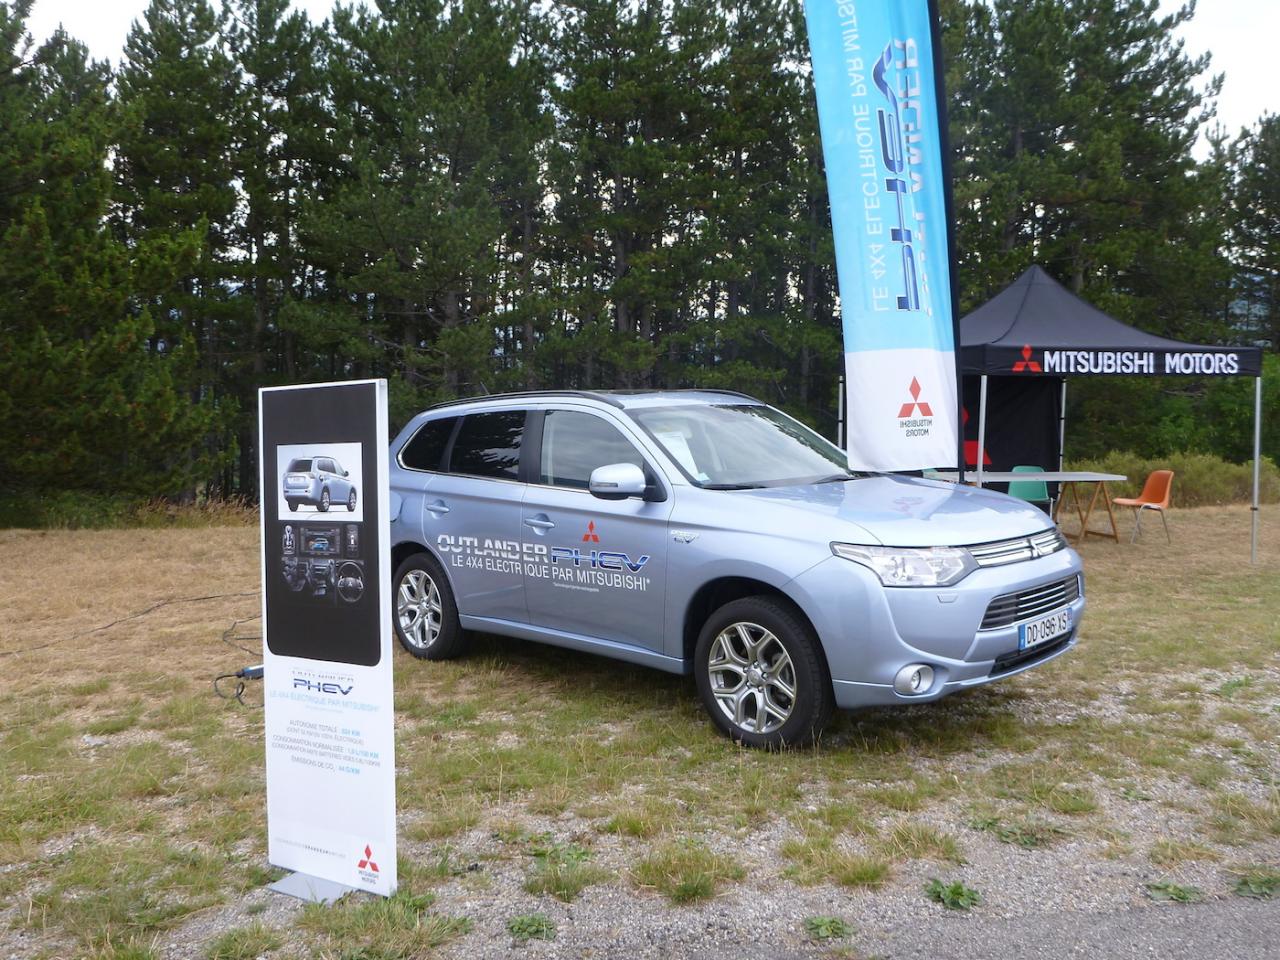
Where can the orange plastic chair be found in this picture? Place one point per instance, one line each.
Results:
(1154, 496)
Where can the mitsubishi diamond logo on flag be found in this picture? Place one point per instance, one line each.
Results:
(876, 73)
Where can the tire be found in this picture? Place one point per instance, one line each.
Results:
(351, 501)
(323, 506)
(426, 616)
(735, 641)
(292, 505)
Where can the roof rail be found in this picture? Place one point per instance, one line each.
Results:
(727, 393)
(587, 394)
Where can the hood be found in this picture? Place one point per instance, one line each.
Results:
(908, 512)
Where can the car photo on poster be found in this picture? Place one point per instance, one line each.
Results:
(320, 478)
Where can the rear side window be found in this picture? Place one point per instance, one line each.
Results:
(425, 451)
(574, 444)
(488, 445)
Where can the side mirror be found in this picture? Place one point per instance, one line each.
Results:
(617, 481)
(346, 473)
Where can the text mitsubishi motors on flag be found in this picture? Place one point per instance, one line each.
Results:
(706, 532)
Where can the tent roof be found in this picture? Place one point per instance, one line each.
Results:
(1038, 312)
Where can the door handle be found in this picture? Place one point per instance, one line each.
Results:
(438, 507)
(540, 523)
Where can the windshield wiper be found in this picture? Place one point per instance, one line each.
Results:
(832, 478)
(734, 486)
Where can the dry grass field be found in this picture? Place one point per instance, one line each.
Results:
(556, 804)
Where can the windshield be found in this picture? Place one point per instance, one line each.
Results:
(300, 466)
(744, 445)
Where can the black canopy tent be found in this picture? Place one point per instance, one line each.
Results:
(1035, 333)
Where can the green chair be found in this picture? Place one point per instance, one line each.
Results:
(1033, 491)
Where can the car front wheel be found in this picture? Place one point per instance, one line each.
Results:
(351, 500)
(426, 614)
(761, 674)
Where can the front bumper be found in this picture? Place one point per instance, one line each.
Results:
(869, 631)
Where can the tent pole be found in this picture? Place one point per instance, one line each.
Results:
(1257, 462)
(982, 426)
(1062, 423)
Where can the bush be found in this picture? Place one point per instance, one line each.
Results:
(84, 510)
(1199, 479)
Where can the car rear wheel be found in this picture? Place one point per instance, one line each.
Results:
(324, 501)
(293, 505)
(351, 500)
(761, 674)
(426, 617)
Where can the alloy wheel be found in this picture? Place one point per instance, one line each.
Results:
(752, 677)
(418, 609)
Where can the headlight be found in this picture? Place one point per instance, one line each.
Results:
(911, 566)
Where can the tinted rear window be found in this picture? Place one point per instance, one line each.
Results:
(488, 445)
(425, 451)
(300, 466)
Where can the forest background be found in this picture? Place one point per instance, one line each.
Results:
(482, 195)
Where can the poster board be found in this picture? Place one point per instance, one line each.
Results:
(327, 682)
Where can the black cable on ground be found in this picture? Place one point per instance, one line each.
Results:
(133, 616)
(241, 677)
(228, 639)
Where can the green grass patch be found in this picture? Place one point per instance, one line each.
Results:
(1167, 890)
(390, 928)
(1026, 832)
(532, 926)
(918, 841)
(245, 943)
(1258, 883)
(827, 928)
(953, 896)
(1168, 852)
(817, 859)
(686, 871)
(562, 870)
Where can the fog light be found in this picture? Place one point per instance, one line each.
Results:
(913, 680)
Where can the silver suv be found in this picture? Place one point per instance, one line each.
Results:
(706, 532)
(319, 481)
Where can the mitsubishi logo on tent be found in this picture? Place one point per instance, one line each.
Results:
(1026, 363)
(367, 862)
(916, 403)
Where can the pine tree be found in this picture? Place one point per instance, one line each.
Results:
(87, 404)
(278, 149)
(1256, 230)
(175, 180)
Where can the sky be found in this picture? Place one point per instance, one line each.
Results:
(1239, 33)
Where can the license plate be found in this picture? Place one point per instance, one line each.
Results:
(1035, 632)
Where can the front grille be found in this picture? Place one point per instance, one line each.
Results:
(1020, 658)
(1031, 602)
(1023, 548)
